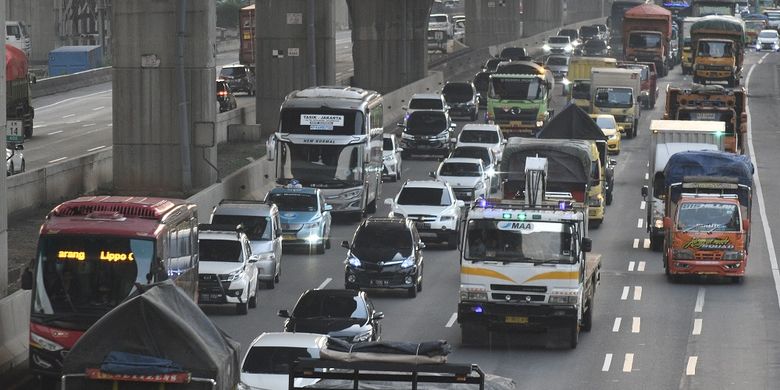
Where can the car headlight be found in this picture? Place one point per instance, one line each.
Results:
(354, 261)
(445, 218)
(546, 47)
(233, 275)
(568, 48)
(408, 262)
(734, 255)
(364, 336)
(682, 254)
(396, 214)
(539, 123)
(612, 136)
(472, 292)
(45, 343)
(441, 137)
(352, 194)
(560, 296)
(311, 225)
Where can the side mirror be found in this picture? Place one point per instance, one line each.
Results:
(345, 244)
(389, 201)
(587, 244)
(19, 147)
(379, 315)
(27, 279)
(667, 223)
(404, 108)
(421, 245)
(254, 259)
(283, 313)
(327, 207)
(645, 191)
(432, 174)
(612, 161)
(745, 227)
(460, 203)
(453, 125)
(399, 150)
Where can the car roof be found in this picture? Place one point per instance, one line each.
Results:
(462, 160)
(480, 127)
(288, 339)
(425, 184)
(244, 209)
(219, 235)
(302, 190)
(426, 96)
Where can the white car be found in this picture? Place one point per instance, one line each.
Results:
(267, 361)
(558, 44)
(432, 205)
(489, 161)
(441, 22)
(14, 160)
(768, 40)
(426, 102)
(226, 270)
(466, 176)
(489, 136)
(391, 158)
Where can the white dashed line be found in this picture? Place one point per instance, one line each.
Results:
(325, 283)
(641, 266)
(39, 126)
(636, 324)
(96, 148)
(54, 132)
(699, 301)
(631, 265)
(68, 116)
(607, 362)
(57, 160)
(640, 223)
(696, 327)
(453, 318)
(690, 369)
(646, 244)
(628, 363)
(624, 295)
(88, 124)
(637, 293)
(642, 205)
(616, 325)
(647, 176)
(636, 243)
(98, 108)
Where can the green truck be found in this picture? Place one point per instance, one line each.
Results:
(518, 102)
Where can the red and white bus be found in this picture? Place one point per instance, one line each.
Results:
(93, 252)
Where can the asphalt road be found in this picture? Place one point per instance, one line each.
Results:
(647, 333)
(78, 122)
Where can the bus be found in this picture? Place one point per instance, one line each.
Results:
(93, 253)
(331, 138)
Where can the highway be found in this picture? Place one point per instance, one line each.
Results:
(647, 333)
(77, 122)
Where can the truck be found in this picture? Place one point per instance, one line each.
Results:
(579, 78)
(519, 103)
(713, 7)
(668, 137)
(19, 111)
(615, 23)
(718, 44)
(712, 103)
(246, 36)
(616, 92)
(525, 263)
(647, 29)
(649, 82)
(708, 212)
(685, 42)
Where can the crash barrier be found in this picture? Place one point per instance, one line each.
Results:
(14, 329)
(64, 83)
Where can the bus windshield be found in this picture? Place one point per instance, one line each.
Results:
(321, 121)
(516, 88)
(321, 166)
(520, 241)
(89, 274)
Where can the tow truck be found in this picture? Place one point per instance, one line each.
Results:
(525, 265)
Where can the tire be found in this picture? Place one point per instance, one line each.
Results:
(28, 132)
(472, 334)
(320, 248)
(595, 223)
(253, 301)
(635, 129)
(609, 198)
(327, 243)
(574, 336)
(411, 292)
(10, 170)
(474, 117)
(656, 243)
(587, 318)
(242, 308)
(397, 175)
(24, 166)
(269, 284)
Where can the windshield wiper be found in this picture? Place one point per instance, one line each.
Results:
(549, 261)
(696, 226)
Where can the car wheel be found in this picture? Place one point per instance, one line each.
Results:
(269, 284)
(10, 169)
(24, 166)
(736, 279)
(327, 243)
(242, 308)
(253, 301)
(412, 292)
(320, 248)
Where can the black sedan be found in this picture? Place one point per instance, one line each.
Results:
(344, 314)
(595, 48)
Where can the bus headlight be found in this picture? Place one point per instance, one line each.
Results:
(45, 343)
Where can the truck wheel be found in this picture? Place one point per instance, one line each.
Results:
(587, 318)
(635, 129)
(472, 334)
(656, 243)
(574, 335)
(609, 197)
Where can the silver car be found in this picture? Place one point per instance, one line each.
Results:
(391, 158)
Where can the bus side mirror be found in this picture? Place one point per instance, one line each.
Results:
(745, 224)
(587, 244)
(667, 223)
(645, 191)
(27, 279)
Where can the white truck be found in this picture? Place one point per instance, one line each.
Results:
(668, 137)
(615, 91)
(525, 265)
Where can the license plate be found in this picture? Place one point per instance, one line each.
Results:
(14, 131)
(380, 282)
(421, 225)
(289, 237)
(515, 320)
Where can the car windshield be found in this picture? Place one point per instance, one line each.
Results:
(516, 88)
(513, 52)
(224, 251)
(232, 71)
(572, 34)
(322, 304)
(294, 202)
(706, 216)
(375, 242)
(614, 97)
(12, 30)
(520, 241)
(479, 136)
(595, 44)
(606, 122)
(557, 61)
(580, 90)
(472, 152)
(588, 31)
(426, 104)
(387, 144)
(460, 169)
(426, 123)
(559, 40)
(437, 19)
(256, 228)
(274, 360)
(715, 49)
(767, 34)
(414, 196)
(644, 41)
(458, 92)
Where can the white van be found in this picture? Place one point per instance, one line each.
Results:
(16, 34)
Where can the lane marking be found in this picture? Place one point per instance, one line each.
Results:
(69, 99)
(452, 320)
(636, 324)
(96, 148)
(607, 362)
(68, 116)
(88, 124)
(646, 243)
(616, 325)
(624, 295)
(628, 363)
(699, 301)
(690, 369)
(642, 205)
(760, 196)
(57, 160)
(54, 132)
(637, 293)
(631, 266)
(39, 126)
(636, 243)
(325, 283)
(641, 267)
(98, 108)
(640, 223)
(696, 327)
(647, 176)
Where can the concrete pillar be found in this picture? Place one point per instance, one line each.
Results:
(3, 188)
(147, 157)
(282, 57)
(39, 16)
(541, 15)
(490, 22)
(389, 45)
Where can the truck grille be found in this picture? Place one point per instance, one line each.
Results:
(422, 217)
(515, 114)
(708, 255)
(521, 288)
(517, 297)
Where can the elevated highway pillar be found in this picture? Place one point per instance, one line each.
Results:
(493, 22)
(542, 15)
(3, 188)
(147, 113)
(389, 47)
(282, 58)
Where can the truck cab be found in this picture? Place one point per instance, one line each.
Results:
(718, 43)
(518, 103)
(615, 92)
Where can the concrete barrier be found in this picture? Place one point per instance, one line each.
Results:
(14, 329)
(227, 45)
(57, 84)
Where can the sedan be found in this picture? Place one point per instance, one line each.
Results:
(14, 160)
(768, 40)
(266, 364)
(344, 314)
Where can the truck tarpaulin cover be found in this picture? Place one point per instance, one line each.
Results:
(163, 323)
(719, 23)
(648, 11)
(428, 352)
(572, 123)
(492, 382)
(708, 163)
(15, 63)
(567, 161)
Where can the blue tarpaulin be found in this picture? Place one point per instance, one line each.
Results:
(135, 364)
(708, 163)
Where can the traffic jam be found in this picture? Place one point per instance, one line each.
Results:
(514, 191)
